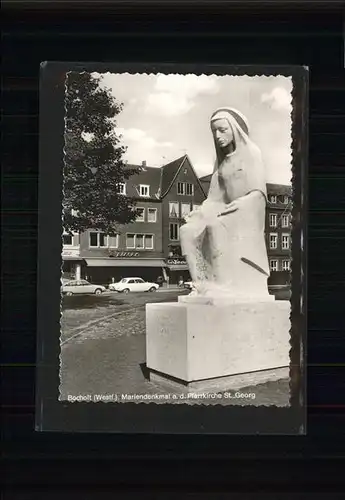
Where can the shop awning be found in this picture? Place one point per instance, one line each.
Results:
(125, 262)
(178, 267)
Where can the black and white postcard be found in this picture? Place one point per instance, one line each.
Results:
(172, 249)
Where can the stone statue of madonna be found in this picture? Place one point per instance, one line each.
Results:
(223, 240)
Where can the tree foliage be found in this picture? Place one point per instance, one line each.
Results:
(93, 159)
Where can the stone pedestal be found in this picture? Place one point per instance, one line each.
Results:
(223, 300)
(203, 345)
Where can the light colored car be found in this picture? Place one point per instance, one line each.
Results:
(189, 285)
(127, 285)
(76, 287)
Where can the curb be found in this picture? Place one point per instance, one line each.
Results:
(171, 290)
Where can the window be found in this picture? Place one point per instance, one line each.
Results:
(103, 239)
(286, 265)
(273, 265)
(149, 241)
(286, 221)
(180, 188)
(285, 241)
(121, 188)
(130, 240)
(173, 210)
(273, 220)
(189, 189)
(185, 188)
(273, 241)
(93, 241)
(139, 241)
(185, 209)
(286, 200)
(67, 239)
(144, 190)
(141, 214)
(273, 198)
(173, 231)
(152, 215)
(98, 240)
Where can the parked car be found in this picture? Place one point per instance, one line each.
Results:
(133, 285)
(75, 287)
(188, 285)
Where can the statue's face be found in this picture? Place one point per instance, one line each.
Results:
(222, 132)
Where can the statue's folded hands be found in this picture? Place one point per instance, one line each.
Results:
(237, 204)
(231, 207)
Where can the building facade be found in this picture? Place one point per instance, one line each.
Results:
(182, 191)
(150, 246)
(278, 232)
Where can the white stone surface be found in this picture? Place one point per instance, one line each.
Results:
(224, 300)
(223, 240)
(194, 342)
(230, 382)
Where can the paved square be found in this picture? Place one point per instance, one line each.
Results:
(103, 353)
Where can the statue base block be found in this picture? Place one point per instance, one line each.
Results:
(223, 300)
(188, 342)
(231, 382)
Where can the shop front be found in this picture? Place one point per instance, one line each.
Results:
(177, 269)
(124, 265)
(73, 266)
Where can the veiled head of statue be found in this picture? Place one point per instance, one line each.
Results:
(228, 126)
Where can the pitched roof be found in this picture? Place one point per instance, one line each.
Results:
(206, 178)
(169, 172)
(147, 175)
(161, 178)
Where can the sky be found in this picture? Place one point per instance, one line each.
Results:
(167, 116)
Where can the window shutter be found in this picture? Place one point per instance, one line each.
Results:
(76, 240)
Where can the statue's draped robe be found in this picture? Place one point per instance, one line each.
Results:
(228, 254)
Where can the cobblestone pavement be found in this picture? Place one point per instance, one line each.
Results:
(80, 310)
(108, 358)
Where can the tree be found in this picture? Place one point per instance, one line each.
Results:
(93, 164)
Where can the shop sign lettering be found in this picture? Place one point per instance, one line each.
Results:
(172, 262)
(125, 254)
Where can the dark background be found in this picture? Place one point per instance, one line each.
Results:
(301, 33)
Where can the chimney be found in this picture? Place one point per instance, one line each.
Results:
(143, 163)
